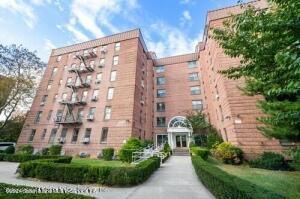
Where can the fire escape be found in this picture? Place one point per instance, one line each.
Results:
(77, 85)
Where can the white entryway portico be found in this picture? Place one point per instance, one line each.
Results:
(179, 132)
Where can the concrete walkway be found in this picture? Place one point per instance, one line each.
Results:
(175, 179)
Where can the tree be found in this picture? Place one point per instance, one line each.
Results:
(268, 45)
(19, 68)
(11, 131)
(198, 121)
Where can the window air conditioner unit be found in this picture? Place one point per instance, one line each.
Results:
(94, 98)
(86, 140)
(98, 81)
(62, 140)
(217, 97)
(90, 117)
(103, 50)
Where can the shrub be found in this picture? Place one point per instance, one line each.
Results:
(167, 148)
(224, 185)
(271, 161)
(122, 176)
(228, 153)
(108, 153)
(296, 156)
(131, 145)
(213, 138)
(146, 143)
(25, 149)
(202, 152)
(55, 150)
(10, 150)
(26, 157)
(45, 151)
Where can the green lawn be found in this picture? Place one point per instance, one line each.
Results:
(283, 182)
(99, 162)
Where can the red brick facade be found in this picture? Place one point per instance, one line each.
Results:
(183, 83)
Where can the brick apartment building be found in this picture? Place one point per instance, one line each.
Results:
(98, 93)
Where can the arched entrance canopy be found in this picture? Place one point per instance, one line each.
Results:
(180, 124)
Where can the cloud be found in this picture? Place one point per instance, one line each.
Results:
(96, 16)
(79, 36)
(40, 2)
(49, 45)
(185, 18)
(21, 8)
(185, 1)
(172, 41)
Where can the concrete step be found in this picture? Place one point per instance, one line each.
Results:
(181, 152)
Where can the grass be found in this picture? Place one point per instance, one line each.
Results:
(99, 162)
(286, 183)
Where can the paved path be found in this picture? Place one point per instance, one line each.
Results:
(175, 179)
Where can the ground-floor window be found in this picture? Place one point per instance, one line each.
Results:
(161, 139)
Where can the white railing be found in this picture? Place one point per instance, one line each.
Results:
(147, 152)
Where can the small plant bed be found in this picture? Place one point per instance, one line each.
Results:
(7, 187)
(285, 183)
(99, 162)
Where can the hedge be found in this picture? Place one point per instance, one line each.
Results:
(108, 153)
(202, 152)
(224, 185)
(4, 186)
(120, 176)
(25, 157)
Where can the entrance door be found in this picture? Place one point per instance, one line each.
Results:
(181, 141)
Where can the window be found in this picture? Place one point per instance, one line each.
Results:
(84, 96)
(54, 70)
(60, 82)
(98, 78)
(64, 96)
(88, 79)
(58, 58)
(91, 112)
(116, 60)
(193, 77)
(195, 90)
(197, 105)
(113, 75)
(64, 133)
(192, 64)
(161, 139)
(107, 113)
(159, 69)
(161, 92)
(221, 113)
(69, 81)
(104, 133)
(32, 134)
(43, 134)
(102, 63)
(49, 115)
(77, 81)
(117, 46)
(52, 136)
(55, 97)
(80, 114)
(38, 117)
(95, 95)
(87, 133)
(49, 85)
(59, 114)
(92, 64)
(110, 93)
(44, 99)
(74, 97)
(160, 80)
(160, 121)
(75, 135)
(160, 107)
